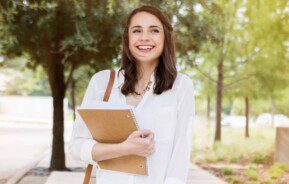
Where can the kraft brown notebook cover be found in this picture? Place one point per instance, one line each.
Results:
(114, 126)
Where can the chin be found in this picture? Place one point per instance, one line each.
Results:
(147, 60)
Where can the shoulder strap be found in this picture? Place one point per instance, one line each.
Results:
(109, 86)
(105, 98)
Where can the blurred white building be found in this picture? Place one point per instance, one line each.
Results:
(28, 108)
(236, 121)
(266, 120)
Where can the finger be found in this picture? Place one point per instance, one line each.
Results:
(147, 142)
(145, 133)
(151, 152)
(151, 147)
(150, 136)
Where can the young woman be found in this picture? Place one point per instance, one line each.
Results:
(162, 100)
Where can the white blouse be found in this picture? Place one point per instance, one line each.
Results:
(169, 116)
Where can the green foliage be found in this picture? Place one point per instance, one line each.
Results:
(254, 153)
(252, 173)
(227, 171)
(255, 37)
(233, 159)
(234, 180)
(24, 81)
(258, 158)
(77, 29)
(277, 170)
(234, 148)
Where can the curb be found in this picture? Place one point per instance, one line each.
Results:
(19, 175)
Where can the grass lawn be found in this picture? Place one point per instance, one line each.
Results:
(237, 159)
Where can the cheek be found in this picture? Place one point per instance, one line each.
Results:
(161, 44)
(160, 40)
(131, 42)
(132, 39)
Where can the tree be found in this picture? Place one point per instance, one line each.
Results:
(220, 21)
(272, 20)
(60, 36)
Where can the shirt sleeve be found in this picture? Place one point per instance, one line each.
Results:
(81, 142)
(178, 167)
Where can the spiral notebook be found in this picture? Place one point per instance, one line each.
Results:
(114, 125)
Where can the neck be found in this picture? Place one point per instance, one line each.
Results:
(145, 71)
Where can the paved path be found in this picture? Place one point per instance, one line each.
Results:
(22, 144)
(200, 176)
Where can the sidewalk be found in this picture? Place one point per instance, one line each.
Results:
(23, 145)
(40, 174)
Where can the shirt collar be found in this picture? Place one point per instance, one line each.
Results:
(120, 79)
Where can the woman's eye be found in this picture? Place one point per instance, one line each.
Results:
(155, 31)
(136, 31)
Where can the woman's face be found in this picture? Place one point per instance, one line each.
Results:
(146, 37)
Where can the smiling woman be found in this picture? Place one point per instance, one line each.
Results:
(161, 98)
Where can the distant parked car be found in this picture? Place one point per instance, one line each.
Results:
(266, 120)
(235, 121)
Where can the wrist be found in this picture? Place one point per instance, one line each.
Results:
(93, 152)
(123, 149)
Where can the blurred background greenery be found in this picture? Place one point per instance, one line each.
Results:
(236, 52)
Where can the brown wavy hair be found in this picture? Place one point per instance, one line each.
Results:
(165, 72)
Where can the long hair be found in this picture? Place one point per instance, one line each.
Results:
(165, 72)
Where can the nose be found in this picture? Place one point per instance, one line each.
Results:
(144, 36)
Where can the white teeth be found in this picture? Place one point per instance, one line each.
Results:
(145, 47)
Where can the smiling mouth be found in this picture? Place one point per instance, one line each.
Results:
(145, 48)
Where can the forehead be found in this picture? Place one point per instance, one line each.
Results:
(145, 19)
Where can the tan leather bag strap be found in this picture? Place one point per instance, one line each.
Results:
(105, 98)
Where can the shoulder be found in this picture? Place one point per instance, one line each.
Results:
(100, 79)
(183, 81)
(101, 75)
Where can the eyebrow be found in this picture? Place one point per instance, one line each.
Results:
(152, 26)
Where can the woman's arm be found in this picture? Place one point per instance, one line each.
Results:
(133, 145)
(178, 167)
(101, 151)
(81, 142)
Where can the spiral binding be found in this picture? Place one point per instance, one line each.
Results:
(137, 126)
(133, 117)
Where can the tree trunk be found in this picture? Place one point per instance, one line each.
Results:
(247, 116)
(58, 155)
(208, 111)
(272, 112)
(56, 78)
(73, 97)
(55, 71)
(219, 98)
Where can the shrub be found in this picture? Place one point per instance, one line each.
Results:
(234, 180)
(234, 159)
(227, 170)
(252, 173)
(277, 170)
(258, 158)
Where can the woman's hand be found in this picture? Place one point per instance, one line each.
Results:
(136, 145)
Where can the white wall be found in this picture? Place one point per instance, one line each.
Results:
(30, 108)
